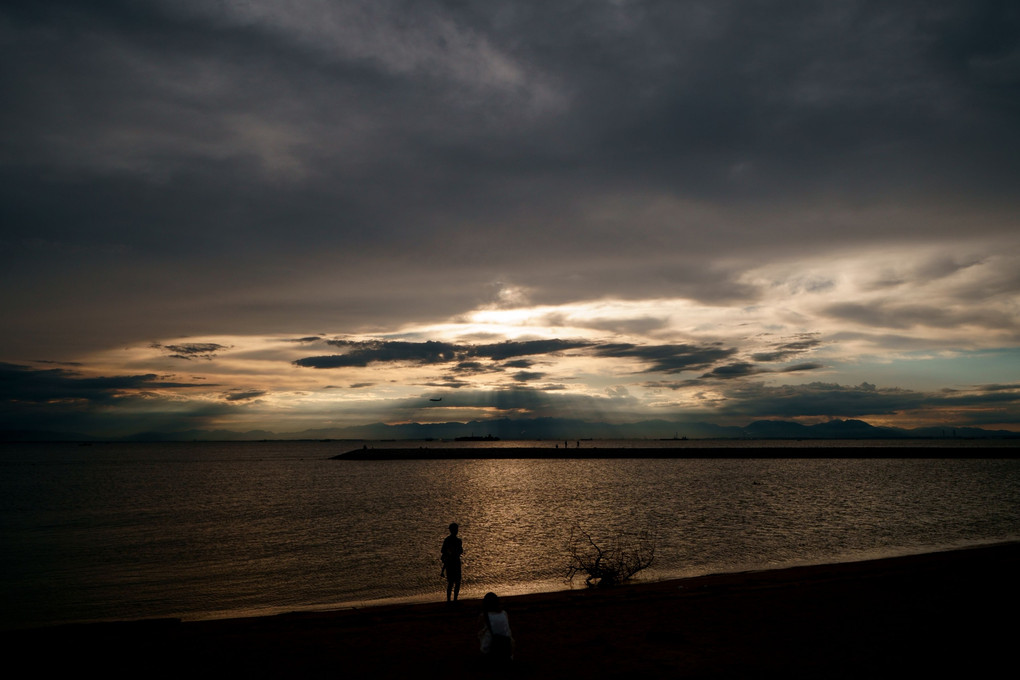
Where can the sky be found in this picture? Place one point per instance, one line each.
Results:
(310, 213)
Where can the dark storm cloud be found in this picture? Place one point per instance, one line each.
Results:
(331, 361)
(365, 352)
(730, 371)
(191, 350)
(796, 368)
(243, 395)
(23, 383)
(981, 396)
(745, 369)
(506, 350)
(60, 400)
(123, 416)
(821, 399)
(469, 368)
(784, 350)
(734, 371)
(659, 358)
(472, 367)
(668, 358)
(795, 88)
(1015, 387)
(246, 137)
(974, 406)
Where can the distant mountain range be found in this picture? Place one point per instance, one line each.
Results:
(552, 429)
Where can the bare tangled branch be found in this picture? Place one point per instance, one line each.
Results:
(615, 561)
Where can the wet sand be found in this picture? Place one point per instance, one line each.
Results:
(943, 613)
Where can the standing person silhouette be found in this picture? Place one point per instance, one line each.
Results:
(453, 548)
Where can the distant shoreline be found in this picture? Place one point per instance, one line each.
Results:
(593, 451)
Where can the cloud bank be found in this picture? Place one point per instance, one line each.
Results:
(710, 205)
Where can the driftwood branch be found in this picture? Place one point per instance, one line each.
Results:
(614, 561)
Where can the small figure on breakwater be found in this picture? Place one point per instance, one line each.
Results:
(453, 548)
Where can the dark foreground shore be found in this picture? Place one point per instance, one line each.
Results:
(943, 613)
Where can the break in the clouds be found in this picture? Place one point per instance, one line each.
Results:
(330, 210)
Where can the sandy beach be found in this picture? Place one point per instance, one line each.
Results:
(950, 612)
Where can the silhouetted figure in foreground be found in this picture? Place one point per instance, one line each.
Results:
(497, 643)
(453, 548)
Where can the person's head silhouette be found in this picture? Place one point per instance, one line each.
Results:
(490, 603)
(453, 529)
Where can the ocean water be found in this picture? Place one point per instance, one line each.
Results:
(196, 530)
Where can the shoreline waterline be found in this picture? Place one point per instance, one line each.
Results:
(912, 616)
(550, 590)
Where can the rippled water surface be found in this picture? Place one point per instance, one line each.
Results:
(150, 530)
